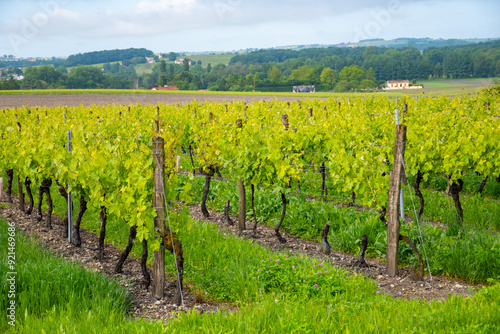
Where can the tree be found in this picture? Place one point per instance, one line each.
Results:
(13, 84)
(138, 60)
(209, 67)
(163, 67)
(63, 70)
(483, 66)
(274, 74)
(343, 86)
(438, 71)
(425, 68)
(328, 77)
(85, 77)
(185, 65)
(353, 74)
(162, 80)
(255, 80)
(304, 74)
(172, 56)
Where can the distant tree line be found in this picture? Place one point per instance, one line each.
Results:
(474, 60)
(337, 69)
(106, 56)
(113, 76)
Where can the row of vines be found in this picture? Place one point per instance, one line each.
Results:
(265, 145)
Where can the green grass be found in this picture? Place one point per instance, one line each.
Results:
(372, 314)
(214, 59)
(471, 253)
(140, 69)
(480, 212)
(274, 296)
(54, 295)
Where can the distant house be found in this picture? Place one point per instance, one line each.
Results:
(180, 61)
(166, 87)
(304, 89)
(150, 60)
(398, 84)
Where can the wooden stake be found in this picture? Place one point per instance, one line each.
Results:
(284, 120)
(242, 207)
(159, 205)
(21, 193)
(393, 223)
(242, 203)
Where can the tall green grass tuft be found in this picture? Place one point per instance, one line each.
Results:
(471, 253)
(52, 291)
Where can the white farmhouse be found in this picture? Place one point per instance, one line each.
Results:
(398, 84)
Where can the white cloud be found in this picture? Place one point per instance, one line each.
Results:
(188, 25)
(160, 6)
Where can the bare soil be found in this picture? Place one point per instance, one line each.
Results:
(17, 101)
(144, 304)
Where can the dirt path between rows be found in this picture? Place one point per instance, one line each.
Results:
(146, 306)
(402, 286)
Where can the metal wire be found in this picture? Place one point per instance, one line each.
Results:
(416, 216)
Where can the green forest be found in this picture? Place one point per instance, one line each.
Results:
(329, 69)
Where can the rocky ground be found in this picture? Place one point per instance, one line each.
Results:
(403, 286)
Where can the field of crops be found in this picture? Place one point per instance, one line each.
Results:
(306, 154)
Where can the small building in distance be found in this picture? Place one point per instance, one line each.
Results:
(400, 84)
(166, 87)
(180, 61)
(304, 89)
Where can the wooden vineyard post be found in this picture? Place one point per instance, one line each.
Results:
(242, 203)
(159, 205)
(284, 121)
(393, 223)
(21, 193)
(242, 207)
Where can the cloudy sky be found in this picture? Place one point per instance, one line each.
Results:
(47, 28)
